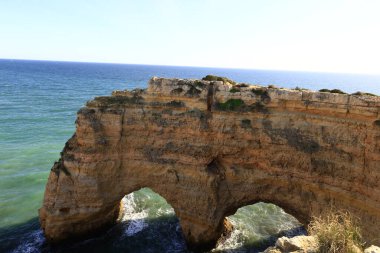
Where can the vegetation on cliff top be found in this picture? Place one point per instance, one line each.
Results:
(333, 91)
(336, 231)
(236, 87)
(359, 93)
(259, 92)
(234, 90)
(218, 78)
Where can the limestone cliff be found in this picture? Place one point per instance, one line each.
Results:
(209, 149)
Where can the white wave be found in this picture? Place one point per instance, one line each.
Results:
(134, 218)
(164, 211)
(233, 242)
(32, 243)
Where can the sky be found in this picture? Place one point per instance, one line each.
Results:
(305, 35)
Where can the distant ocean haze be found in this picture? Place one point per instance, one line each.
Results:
(38, 105)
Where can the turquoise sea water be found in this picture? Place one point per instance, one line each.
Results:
(38, 105)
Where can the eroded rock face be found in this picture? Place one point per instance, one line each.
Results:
(209, 151)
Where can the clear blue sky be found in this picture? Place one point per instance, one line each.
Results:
(316, 35)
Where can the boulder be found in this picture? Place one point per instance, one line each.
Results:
(298, 243)
(372, 249)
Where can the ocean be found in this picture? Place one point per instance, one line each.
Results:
(38, 105)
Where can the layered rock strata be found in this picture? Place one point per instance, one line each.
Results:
(210, 148)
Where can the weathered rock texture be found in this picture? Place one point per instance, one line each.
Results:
(209, 151)
(372, 249)
(297, 244)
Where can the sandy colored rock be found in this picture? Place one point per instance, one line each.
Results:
(272, 250)
(297, 244)
(372, 249)
(208, 152)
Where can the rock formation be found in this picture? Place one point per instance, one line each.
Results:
(209, 148)
(372, 249)
(297, 244)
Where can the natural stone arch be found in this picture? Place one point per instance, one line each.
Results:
(303, 151)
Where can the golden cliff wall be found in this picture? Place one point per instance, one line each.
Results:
(209, 151)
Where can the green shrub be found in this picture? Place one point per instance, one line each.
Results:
(177, 91)
(199, 84)
(336, 231)
(333, 91)
(337, 91)
(359, 93)
(300, 88)
(259, 92)
(175, 103)
(234, 90)
(271, 86)
(230, 105)
(218, 78)
(193, 91)
(241, 85)
(246, 123)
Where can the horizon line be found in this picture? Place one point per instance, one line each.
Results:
(191, 66)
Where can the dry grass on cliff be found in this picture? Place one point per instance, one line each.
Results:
(336, 232)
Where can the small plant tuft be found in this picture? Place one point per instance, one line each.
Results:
(199, 84)
(177, 91)
(359, 93)
(271, 86)
(336, 231)
(300, 89)
(242, 85)
(333, 91)
(175, 103)
(246, 123)
(193, 92)
(230, 105)
(259, 92)
(234, 90)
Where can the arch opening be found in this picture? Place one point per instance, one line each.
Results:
(257, 226)
(149, 223)
(146, 223)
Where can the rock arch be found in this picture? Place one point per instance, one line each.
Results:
(303, 151)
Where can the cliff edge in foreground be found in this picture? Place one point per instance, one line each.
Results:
(209, 148)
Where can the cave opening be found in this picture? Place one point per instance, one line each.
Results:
(149, 224)
(257, 227)
(146, 223)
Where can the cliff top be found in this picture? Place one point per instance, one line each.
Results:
(230, 88)
(223, 94)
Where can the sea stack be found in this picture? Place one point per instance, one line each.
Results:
(211, 147)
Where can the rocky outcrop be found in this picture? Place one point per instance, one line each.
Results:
(297, 244)
(209, 148)
(309, 244)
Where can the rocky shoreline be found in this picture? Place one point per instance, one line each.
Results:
(308, 244)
